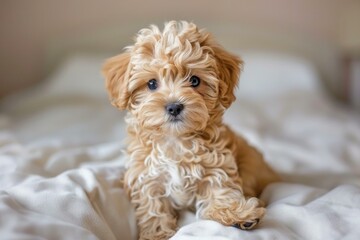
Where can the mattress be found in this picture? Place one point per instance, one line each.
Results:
(61, 157)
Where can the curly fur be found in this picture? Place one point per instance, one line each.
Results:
(197, 162)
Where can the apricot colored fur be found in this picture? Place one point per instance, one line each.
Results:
(197, 162)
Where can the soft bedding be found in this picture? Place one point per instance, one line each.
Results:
(61, 157)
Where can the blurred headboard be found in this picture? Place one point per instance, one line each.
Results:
(36, 35)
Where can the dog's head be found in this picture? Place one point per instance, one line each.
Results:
(177, 81)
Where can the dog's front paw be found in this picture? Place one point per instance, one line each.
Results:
(247, 225)
(245, 214)
(251, 214)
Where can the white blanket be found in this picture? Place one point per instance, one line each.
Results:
(61, 159)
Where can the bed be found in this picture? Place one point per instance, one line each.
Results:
(61, 156)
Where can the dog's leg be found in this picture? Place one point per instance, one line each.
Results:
(224, 202)
(156, 219)
(254, 171)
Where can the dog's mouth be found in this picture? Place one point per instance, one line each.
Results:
(176, 119)
(175, 125)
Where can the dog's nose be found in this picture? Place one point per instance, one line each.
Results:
(174, 109)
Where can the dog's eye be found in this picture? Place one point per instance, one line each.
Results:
(152, 84)
(194, 81)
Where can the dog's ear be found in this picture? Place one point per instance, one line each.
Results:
(229, 67)
(116, 72)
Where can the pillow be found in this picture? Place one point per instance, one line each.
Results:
(267, 75)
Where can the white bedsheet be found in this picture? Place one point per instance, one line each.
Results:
(60, 158)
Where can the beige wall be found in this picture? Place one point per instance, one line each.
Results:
(30, 28)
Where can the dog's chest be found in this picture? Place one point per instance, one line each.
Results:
(182, 173)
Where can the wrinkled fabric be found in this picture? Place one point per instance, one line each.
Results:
(61, 161)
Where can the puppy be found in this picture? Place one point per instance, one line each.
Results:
(176, 85)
